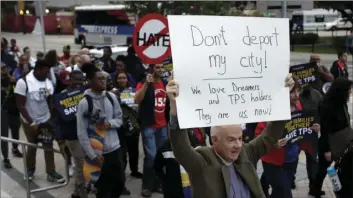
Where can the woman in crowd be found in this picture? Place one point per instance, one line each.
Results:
(280, 163)
(121, 68)
(336, 140)
(130, 129)
(23, 68)
(308, 100)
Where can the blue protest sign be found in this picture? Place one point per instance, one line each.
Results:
(66, 103)
(306, 73)
(300, 127)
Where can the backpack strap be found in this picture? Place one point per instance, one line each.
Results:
(109, 98)
(90, 105)
(25, 80)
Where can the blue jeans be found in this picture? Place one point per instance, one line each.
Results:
(152, 139)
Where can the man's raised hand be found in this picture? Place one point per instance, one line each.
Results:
(172, 89)
(289, 82)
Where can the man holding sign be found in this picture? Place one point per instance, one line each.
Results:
(227, 169)
(66, 125)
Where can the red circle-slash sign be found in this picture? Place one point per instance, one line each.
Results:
(151, 39)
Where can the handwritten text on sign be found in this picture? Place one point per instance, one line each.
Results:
(230, 69)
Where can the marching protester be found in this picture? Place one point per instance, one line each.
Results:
(153, 109)
(275, 175)
(336, 140)
(10, 118)
(228, 167)
(109, 64)
(6, 58)
(66, 133)
(65, 58)
(324, 74)
(80, 62)
(51, 58)
(23, 68)
(14, 50)
(73, 61)
(134, 65)
(309, 98)
(27, 52)
(40, 56)
(285, 160)
(13, 46)
(130, 130)
(175, 181)
(33, 93)
(339, 67)
(98, 118)
(120, 68)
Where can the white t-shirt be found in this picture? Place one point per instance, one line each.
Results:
(36, 97)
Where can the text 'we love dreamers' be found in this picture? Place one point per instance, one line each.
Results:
(237, 93)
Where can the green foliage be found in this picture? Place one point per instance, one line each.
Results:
(304, 39)
(187, 7)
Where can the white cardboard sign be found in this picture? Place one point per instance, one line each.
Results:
(231, 70)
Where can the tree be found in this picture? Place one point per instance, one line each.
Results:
(188, 7)
(340, 6)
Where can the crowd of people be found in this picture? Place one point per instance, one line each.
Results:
(105, 131)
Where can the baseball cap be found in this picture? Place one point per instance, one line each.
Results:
(64, 77)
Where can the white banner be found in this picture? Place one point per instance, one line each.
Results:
(231, 70)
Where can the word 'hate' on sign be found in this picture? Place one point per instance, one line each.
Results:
(153, 39)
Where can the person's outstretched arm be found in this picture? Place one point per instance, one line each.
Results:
(262, 144)
(184, 153)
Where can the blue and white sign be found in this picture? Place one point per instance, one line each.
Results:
(106, 29)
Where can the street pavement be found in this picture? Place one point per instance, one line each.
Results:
(13, 185)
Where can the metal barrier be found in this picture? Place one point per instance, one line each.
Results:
(24, 144)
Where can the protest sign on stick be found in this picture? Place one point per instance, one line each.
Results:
(66, 103)
(231, 70)
(299, 127)
(306, 73)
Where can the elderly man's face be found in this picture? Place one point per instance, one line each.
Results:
(228, 142)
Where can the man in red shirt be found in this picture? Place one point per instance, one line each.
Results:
(152, 100)
(66, 57)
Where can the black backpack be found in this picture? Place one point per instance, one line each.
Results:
(90, 103)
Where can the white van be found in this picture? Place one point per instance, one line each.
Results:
(313, 19)
(337, 24)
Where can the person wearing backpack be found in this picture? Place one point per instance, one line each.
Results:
(98, 118)
(33, 95)
(66, 130)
